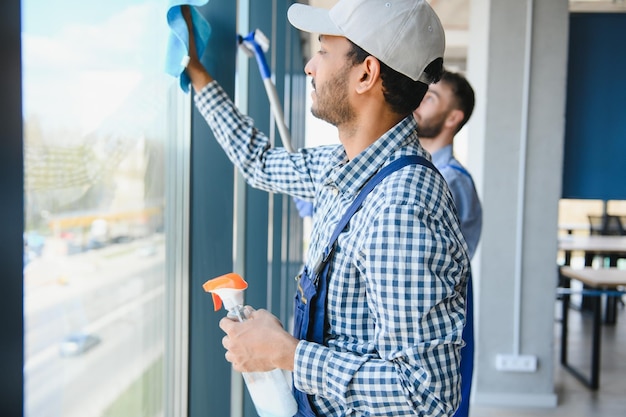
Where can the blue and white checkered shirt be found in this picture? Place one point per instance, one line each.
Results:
(396, 296)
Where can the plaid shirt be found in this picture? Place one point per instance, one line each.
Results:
(396, 296)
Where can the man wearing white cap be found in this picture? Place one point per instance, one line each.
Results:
(380, 304)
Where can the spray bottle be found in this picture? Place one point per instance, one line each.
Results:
(270, 391)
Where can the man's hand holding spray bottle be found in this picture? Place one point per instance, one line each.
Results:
(270, 391)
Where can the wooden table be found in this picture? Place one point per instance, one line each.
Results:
(593, 243)
(612, 247)
(591, 246)
(600, 282)
(572, 227)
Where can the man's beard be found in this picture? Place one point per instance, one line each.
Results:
(332, 103)
(432, 129)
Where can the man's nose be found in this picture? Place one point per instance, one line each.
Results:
(310, 67)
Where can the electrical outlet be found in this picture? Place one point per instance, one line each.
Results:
(516, 363)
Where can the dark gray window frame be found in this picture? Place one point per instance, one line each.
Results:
(11, 212)
(271, 251)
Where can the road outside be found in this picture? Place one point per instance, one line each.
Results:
(115, 293)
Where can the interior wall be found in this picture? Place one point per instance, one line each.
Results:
(596, 126)
(515, 154)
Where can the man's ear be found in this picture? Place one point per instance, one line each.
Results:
(369, 74)
(455, 117)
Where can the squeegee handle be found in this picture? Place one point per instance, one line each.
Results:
(251, 42)
(278, 113)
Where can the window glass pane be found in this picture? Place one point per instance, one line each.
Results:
(95, 138)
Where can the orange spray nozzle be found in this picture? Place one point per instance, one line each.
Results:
(227, 288)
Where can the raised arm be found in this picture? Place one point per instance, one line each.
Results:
(199, 76)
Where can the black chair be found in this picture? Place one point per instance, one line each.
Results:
(607, 225)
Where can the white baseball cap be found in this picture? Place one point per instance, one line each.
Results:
(406, 35)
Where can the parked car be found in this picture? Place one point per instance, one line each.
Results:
(78, 343)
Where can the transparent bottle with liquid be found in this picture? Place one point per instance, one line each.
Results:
(270, 391)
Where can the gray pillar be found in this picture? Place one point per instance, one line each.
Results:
(518, 69)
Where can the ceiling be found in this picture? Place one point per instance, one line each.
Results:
(454, 15)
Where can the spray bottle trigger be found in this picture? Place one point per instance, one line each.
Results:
(217, 301)
(226, 290)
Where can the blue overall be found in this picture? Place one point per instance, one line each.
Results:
(310, 299)
(467, 352)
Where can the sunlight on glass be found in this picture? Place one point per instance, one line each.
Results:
(95, 137)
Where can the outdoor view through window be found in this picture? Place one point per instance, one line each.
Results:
(95, 146)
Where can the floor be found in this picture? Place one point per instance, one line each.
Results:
(575, 399)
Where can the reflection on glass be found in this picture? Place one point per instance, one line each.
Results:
(95, 123)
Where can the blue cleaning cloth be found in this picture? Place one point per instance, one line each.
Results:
(177, 55)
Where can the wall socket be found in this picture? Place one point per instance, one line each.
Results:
(516, 363)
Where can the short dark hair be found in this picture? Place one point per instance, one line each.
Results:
(463, 94)
(401, 93)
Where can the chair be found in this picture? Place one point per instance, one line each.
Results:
(607, 225)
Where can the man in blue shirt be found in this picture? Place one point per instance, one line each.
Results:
(395, 285)
(444, 110)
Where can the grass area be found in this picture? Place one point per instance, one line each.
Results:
(143, 398)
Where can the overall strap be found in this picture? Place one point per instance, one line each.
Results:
(460, 169)
(356, 204)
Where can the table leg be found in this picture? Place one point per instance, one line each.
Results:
(595, 349)
(610, 315)
(610, 311)
(567, 258)
(593, 381)
(564, 319)
(586, 304)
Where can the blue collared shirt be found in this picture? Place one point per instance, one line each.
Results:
(396, 296)
(464, 193)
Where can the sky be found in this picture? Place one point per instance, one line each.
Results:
(80, 59)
